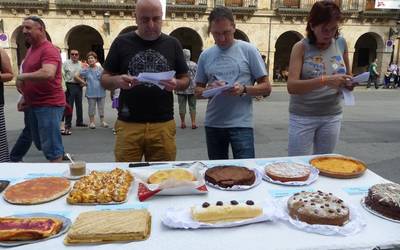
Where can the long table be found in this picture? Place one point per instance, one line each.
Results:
(379, 232)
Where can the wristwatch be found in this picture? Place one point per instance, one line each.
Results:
(244, 92)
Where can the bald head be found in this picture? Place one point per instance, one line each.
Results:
(148, 3)
(149, 19)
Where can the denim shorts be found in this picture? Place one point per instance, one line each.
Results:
(45, 130)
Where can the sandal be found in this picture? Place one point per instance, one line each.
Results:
(183, 126)
(66, 132)
(194, 127)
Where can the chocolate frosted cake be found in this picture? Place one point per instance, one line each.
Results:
(385, 199)
(228, 176)
(318, 208)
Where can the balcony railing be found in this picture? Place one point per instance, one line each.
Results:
(101, 5)
(187, 6)
(187, 2)
(236, 3)
(25, 3)
(307, 4)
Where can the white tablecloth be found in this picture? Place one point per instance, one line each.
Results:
(276, 235)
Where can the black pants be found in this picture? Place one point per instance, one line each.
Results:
(75, 96)
(374, 79)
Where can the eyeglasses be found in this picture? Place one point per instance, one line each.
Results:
(74, 54)
(36, 19)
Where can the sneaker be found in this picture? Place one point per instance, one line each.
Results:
(82, 125)
(104, 124)
(92, 125)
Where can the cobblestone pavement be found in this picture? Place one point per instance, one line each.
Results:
(370, 131)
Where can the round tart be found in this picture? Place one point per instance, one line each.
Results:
(38, 190)
(339, 166)
(228, 176)
(287, 171)
(385, 199)
(177, 174)
(318, 208)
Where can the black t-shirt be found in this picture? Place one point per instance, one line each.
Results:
(129, 54)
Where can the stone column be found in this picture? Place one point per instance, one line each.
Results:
(383, 61)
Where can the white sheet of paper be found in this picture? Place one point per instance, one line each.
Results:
(348, 97)
(155, 78)
(363, 77)
(216, 91)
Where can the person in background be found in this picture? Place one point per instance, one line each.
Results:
(188, 94)
(145, 125)
(229, 115)
(71, 67)
(5, 76)
(319, 67)
(373, 74)
(95, 93)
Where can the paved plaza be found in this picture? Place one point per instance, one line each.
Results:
(370, 131)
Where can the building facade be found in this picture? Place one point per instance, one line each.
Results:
(273, 26)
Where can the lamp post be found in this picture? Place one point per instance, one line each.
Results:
(106, 24)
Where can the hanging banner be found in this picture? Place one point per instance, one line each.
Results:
(387, 4)
(164, 8)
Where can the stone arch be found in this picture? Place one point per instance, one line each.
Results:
(85, 38)
(283, 48)
(128, 29)
(19, 46)
(240, 35)
(190, 40)
(368, 47)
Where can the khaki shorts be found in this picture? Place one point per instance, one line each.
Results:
(154, 141)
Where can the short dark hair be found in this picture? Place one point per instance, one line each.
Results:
(91, 53)
(218, 13)
(322, 12)
(36, 20)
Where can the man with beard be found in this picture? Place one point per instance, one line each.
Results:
(145, 125)
(40, 85)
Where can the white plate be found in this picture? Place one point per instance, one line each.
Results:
(355, 224)
(375, 212)
(68, 175)
(240, 187)
(66, 224)
(313, 177)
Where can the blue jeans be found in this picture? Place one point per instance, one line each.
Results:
(23, 142)
(319, 132)
(45, 130)
(241, 140)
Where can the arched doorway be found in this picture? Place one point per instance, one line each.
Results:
(84, 39)
(128, 29)
(283, 48)
(190, 40)
(19, 46)
(365, 51)
(240, 35)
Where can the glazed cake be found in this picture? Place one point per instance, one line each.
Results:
(318, 208)
(385, 199)
(228, 176)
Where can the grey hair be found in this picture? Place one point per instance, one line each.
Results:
(186, 54)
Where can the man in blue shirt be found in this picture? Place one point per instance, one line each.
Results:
(229, 116)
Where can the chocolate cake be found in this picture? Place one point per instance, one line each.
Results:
(385, 199)
(228, 176)
(318, 208)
